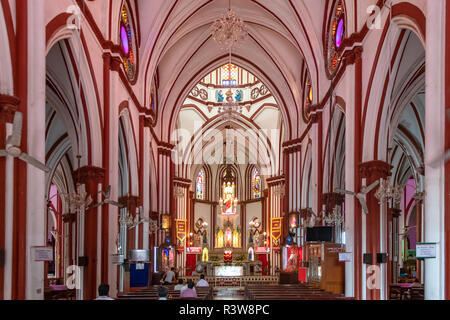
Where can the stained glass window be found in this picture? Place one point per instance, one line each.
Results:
(127, 42)
(256, 184)
(153, 99)
(336, 38)
(308, 100)
(200, 185)
(229, 73)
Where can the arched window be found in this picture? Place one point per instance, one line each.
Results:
(153, 99)
(336, 38)
(200, 186)
(128, 43)
(256, 184)
(229, 74)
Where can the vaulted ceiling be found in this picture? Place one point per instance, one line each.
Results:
(176, 45)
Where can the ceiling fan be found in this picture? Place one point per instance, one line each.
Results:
(107, 195)
(152, 224)
(362, 195)
(13, 145)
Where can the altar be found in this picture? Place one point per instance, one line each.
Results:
(226, 271)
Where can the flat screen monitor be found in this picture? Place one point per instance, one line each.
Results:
(319, 234)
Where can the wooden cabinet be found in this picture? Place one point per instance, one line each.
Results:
(324, 267)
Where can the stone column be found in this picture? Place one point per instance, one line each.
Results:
(8, 107)
(371, 172)
(434, 217)
(394, 255)
(91, 177)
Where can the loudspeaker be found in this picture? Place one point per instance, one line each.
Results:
(2, 258)
(83, 261)
(381, 257)
(368, 258)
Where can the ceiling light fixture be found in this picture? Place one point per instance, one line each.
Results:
(228, 32)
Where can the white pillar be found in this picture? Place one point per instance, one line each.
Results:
(350, 184)
(113, 212)
(36, 213)
(434, 142)
(315, 168)
(146, 187)
(9, 217)
(6, 76)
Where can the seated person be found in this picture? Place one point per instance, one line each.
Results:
(189, 292)
(103, 292)
(416, 284)
(169, 277)
(180, 285)
(202, 282)
(163, 292)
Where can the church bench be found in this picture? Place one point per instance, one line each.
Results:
(290, 292)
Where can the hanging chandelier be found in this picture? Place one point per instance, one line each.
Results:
(389, 191)
(334, 218)
(229, 30)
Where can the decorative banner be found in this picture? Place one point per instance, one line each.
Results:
(276, 228)
(181, 229)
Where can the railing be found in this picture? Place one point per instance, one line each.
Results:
(237, 281)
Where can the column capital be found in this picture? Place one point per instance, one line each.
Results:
(332, 200)
(351, 56)
(8, 107)
(375, 170)
(273, 181)
(165, 149)
(181, 182)
(131, 203)
(89, 174)
(69, 218)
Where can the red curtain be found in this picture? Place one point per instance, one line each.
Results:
(265, 267)
(191, 263)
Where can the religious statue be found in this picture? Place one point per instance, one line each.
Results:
(228, 238)
(152, 99)
(220, 96)
(228, 201)
(229, 95)
(239, 95)
(219, 233)
(236, 238)
(292, 262)
(205, 254)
